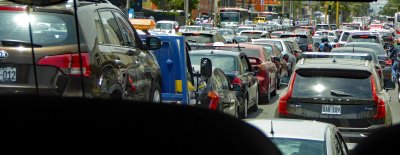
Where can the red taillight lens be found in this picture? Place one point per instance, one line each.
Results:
(388, 62)
(214, 100)
(237, 81)
(133, 88)
(69, 64)
(380, 104)
(282, 107)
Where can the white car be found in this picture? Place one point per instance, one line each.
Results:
(302, 137)
(254, 34)
(242, 28)
(167, 26)
(327, 33)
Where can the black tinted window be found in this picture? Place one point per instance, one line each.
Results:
(126, 29)
(332, 83)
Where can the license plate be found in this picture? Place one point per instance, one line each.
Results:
(331, 109)
(8, 74)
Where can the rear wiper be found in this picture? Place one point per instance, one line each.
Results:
(339, 93)
(17, 43)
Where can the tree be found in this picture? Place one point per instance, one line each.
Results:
(387, 9)
(175, 4)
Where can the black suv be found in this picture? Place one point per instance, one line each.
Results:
(108, 60)
(344, 92)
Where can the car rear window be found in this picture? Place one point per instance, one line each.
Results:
(370, 39)
(224, 62)
(301, 39)
(299, 146)
(199, 38)
(252, 35)
(277, 43)
(329, 83)
(345, 36)
(164, 26)
(322, 27)
(377, 48)
(48, 29)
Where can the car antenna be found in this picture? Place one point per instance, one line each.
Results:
(272, 130)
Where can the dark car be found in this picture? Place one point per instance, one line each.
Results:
(305, 41)
(202, 39)
(384, 60)
(241, 39)
(217, 94)
(237, 68)
(344, 92)
(109, 61)
(267, 73)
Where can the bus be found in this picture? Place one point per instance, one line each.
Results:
(397, 22)
(268, 15)
(233, 16)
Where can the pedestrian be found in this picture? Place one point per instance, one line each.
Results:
(394, 52)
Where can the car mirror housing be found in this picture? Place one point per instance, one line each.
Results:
(153, 43)
(206, 67)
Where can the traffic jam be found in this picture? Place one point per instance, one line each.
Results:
(336, 81)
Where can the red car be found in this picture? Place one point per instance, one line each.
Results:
(262, 60)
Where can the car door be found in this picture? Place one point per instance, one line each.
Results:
(144, 64)
(228, 101)
(272, 71)
(249, 80)
(340, 144)
(282, 63)
(114, 66)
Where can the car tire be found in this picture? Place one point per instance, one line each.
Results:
(255, 106)
(155, 93)
(243, 108)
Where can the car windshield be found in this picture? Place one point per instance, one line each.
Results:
(320, 83)
(199, 38)
(290, 146)
(164, 26)
(226, 63)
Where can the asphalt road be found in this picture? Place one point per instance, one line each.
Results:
(268, 110)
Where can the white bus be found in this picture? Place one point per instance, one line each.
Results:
(397, 22)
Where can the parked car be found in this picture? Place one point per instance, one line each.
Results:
(114, 62)
(324, 93)
(217, 94)
(263, 64)
(237, 68)
(302, 136)
(255, 34)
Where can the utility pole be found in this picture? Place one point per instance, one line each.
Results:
(186, 12)
(337, 13)
(215, 12)
(326, 12)
(283, 8)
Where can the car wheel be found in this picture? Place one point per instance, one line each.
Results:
(155, 93)
(255, 106)
(243, 108)
(273, 93)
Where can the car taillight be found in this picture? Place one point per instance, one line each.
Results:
(379, 70)
(133, 88)
(380, 104)
(69, 64)
(388, 62)
(237, 83)
(214, 100)
(282, 107)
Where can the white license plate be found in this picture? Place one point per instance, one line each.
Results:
(331, 109)
(8, 74)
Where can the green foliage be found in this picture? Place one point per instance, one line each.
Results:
(175, 4)
(387, 8)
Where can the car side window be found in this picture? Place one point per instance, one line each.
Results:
(111, 28)
(244, 63)
(342, 148)
(126, 29)
(267, 55)
(99, 29)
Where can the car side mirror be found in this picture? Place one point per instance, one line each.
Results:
(153, 43)
(205, 67)
(256, 69)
